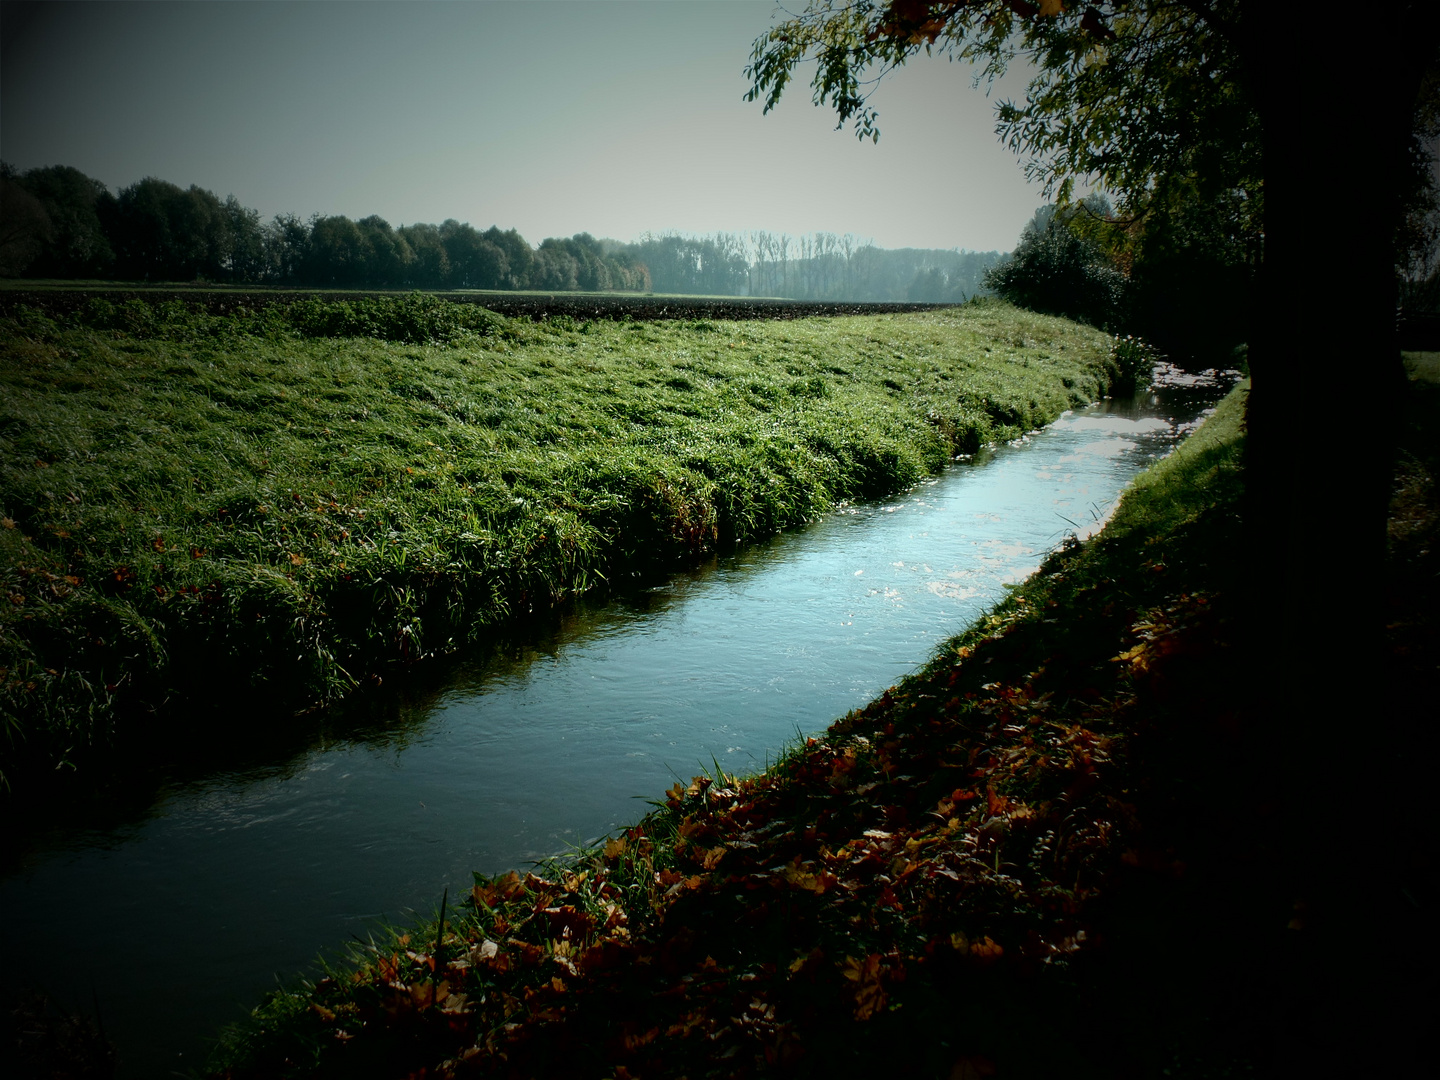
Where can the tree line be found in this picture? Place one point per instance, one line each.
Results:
(815, 266)
(60, 223)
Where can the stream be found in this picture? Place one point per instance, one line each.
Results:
(177, 917)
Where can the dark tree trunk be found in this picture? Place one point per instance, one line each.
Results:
(1321, 425)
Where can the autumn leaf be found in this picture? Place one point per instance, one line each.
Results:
(996, 802)
(498, 891)
(635, 1040)
(972, 1068)
(870, 996)
(1133, 654)
(697, 785)
(802, 964)
(456, 1005)
(986, 951)
(804, 879)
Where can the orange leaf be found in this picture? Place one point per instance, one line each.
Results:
(972, 1068)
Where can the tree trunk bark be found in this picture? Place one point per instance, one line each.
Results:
(1321, 425)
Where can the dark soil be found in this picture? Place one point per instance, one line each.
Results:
(62, 300)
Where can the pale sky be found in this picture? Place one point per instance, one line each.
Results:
(611, 117)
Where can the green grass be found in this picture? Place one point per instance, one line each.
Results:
(197, 505)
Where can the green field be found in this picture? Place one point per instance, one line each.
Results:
(284, 501)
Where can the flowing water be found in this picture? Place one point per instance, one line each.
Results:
(178, 919)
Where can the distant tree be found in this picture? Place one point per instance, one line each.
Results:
(163, 232)
(928, 286)
(24, 226)
(77, 245)
(518, 257)
(554, 267)
(430, 268)
(286, 242)
(338, 253)
(593, 270)
(462, 246)
(476, 260)
(244, 257)
(389, 256)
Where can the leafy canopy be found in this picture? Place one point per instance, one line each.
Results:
(1146, 99)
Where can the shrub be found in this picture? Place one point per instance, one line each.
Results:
(1132, 364)
(1056, 271)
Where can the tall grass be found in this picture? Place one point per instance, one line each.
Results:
(287, 500)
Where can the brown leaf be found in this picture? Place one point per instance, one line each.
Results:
(498, 891)
(972, 1068)
(870, 996)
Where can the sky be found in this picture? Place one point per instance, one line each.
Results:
(613, 117)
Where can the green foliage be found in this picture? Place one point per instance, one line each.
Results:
(417, 319)
(1133, 94)
(1056, 270)
(254, 501)
(61, 223)
(75, 244)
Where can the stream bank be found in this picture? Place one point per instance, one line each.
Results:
(265, 866)
(907, 890)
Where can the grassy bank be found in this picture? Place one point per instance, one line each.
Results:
(286, 500)
(968, 877)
